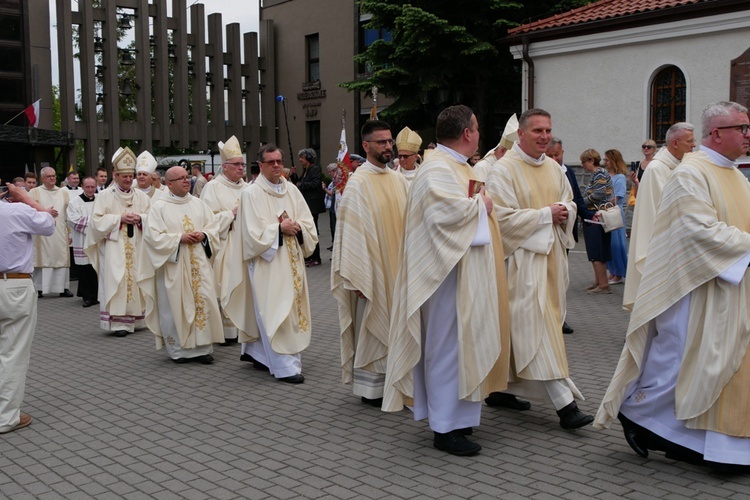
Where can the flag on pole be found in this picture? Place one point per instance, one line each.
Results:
(344, 163)
(32, 113)
(374, 110)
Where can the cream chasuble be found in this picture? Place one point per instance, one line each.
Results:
(52, 251)
(701, 230)
(366, 256)
(441, 222)
(409, 175)
(113, 254)
(222, 196)
(279, 284)
(537, 263)
(649, 192)
(186, 270)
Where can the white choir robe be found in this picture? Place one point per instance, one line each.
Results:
(51, 254)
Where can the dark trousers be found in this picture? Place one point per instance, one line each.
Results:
(316, 254)
(88, 283)
(73, 267)
(332, 217)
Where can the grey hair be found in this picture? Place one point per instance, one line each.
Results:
(308, 154)
(554, 142)
(331, 167)
(677, 127)
(47, 169)
(716, 109)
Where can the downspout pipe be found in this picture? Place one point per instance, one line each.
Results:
(530, 72)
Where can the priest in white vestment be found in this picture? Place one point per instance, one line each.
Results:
(535, 209)
(682, 384)
(679, 140)
(145, 165)
(80, 211)
(510, 135)
(448, 341)
(269, 300)
(222, 195)
(114, 236)
(51, 254)
(366, 256)
(176, 275)
(408, 144)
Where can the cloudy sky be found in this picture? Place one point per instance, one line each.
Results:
(244, 12)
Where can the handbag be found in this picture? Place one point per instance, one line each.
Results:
(611, 217)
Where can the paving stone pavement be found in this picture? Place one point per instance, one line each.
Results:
(113, 418)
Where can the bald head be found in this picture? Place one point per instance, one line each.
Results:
(178, 181)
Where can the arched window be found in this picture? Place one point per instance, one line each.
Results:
(668, 98)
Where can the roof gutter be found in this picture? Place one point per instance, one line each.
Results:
(529, 72)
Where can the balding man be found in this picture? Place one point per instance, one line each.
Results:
(679, 141)
(682, 384)
(52, 257)
(222, 195)
(179, 238)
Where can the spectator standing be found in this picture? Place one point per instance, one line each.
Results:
(19, 221)
(618, 264)
(309, 184)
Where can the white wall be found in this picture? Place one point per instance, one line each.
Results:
(597, 87)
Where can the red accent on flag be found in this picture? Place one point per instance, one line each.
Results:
(344, 163)
(32, 113)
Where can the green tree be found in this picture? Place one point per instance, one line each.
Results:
(440, 54)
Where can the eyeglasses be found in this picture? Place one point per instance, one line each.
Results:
(384, 142)
(406, 157)
(743, 128)
(273, 162)
(236, 164)
(647, 146)
(178, 179)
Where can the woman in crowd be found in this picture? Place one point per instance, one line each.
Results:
(649, 150)
(598, 192)
(617, 170)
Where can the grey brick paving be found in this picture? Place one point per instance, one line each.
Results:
(115, 419)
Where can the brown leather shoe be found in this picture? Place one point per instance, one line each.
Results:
(24, 422)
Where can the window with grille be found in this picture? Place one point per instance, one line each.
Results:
(668, 101)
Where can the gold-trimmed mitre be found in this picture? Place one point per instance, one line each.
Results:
(145, 163)
(230, 149)
(510, 134)
(408, 140)
(124, 161)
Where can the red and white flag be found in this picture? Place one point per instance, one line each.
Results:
(32, 113)
(344, 163)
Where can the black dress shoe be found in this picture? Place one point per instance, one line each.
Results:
(330, 248)
(505, 400)
(228, 342)
(456, 443)
(39, 294)
(256, 364)
(572, 418)
(566, 328)
(87, 303)
(632, 436)
(66, 293)
(181, 361)
(466, 431)
(206, 359)
(121, 333)
(377, 403)
(293, 379)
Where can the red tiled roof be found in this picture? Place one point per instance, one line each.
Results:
(604, 9)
